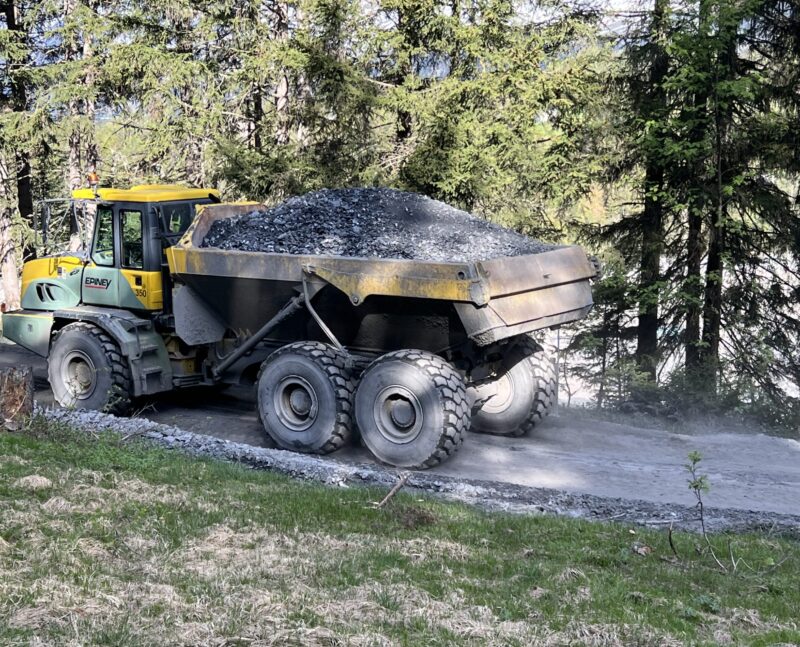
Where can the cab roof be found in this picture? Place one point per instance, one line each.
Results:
(145, 193)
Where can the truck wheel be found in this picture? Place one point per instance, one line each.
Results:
(305, 397)
(87, 371)
(521, 395)
(412, 409)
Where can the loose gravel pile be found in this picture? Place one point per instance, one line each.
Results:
(373, 223)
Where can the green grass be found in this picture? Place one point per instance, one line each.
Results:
(127, 545)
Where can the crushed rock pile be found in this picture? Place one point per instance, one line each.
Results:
(370, 222)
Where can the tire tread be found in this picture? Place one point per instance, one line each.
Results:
(451, 388)
(543, 369)
(335, 364)
(120, 399)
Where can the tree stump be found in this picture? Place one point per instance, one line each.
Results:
(16, 396)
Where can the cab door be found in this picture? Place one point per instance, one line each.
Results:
(141, 282)
(100, 284)
(120, 272)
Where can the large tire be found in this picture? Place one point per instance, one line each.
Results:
(305, 397)
(412, 409)
(87, 370)
(524, 392)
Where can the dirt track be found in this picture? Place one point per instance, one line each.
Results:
(569, 453)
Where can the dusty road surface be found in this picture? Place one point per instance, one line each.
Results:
(568, 452)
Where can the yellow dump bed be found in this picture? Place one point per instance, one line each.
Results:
(494, 299)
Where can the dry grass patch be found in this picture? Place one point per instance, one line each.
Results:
(33, 483)
(117, 489)
(10, 459)
(402, 604)
(58, 505)
(252, 554)
(163, 550)
(418, 549)
(570, 574)
(608, 635)
(726, 627)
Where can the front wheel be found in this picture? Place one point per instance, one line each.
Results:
(521, 393)
(305, 397)
(87, 371)
(412, 409)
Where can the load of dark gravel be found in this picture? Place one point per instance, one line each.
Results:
(370, 222)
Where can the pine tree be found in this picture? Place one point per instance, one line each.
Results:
(652, 107)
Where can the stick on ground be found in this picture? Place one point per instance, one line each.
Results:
(395, 489)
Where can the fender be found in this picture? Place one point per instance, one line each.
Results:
(31, 329)
(138, 341)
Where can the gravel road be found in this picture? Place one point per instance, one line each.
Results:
(370, 222)
(571, 465)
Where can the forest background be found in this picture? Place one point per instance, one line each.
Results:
(664, 136)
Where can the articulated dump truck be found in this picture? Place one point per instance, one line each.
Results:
(406, 355)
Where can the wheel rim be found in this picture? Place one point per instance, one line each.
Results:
(79, 375)
(503, 395)
(295, 403)
(398, 414)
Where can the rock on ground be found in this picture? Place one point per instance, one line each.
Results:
(370, 222)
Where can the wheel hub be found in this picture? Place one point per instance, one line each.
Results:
(295, 403)
(398, 414)
(300, 401)
(79, 375)
(402, 413)
(500, 394)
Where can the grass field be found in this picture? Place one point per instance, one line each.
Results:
(109, 544)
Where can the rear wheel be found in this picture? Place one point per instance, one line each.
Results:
(305, 397)
(412, 409)
(521, 394)
(87, 371)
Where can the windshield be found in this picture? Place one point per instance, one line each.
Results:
(177, 216)
(103, 250)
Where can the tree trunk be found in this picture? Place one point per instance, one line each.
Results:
(715, 275)
(74, 158)
(404, 126)
(281, 93)
(601, 391)
(302, 89)
(257, 118)
(715, 269)
(650, 274)
(25, 198)
(91, 154)
(652, 219)
(696, 209)
(89, 107)
(712, 305)
(694, 287)
(9, 276)
(19, 103)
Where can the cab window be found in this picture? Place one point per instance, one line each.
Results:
(132, 248)
(103, 249)
(176, 218)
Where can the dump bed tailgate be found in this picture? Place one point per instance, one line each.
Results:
(527, 293)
